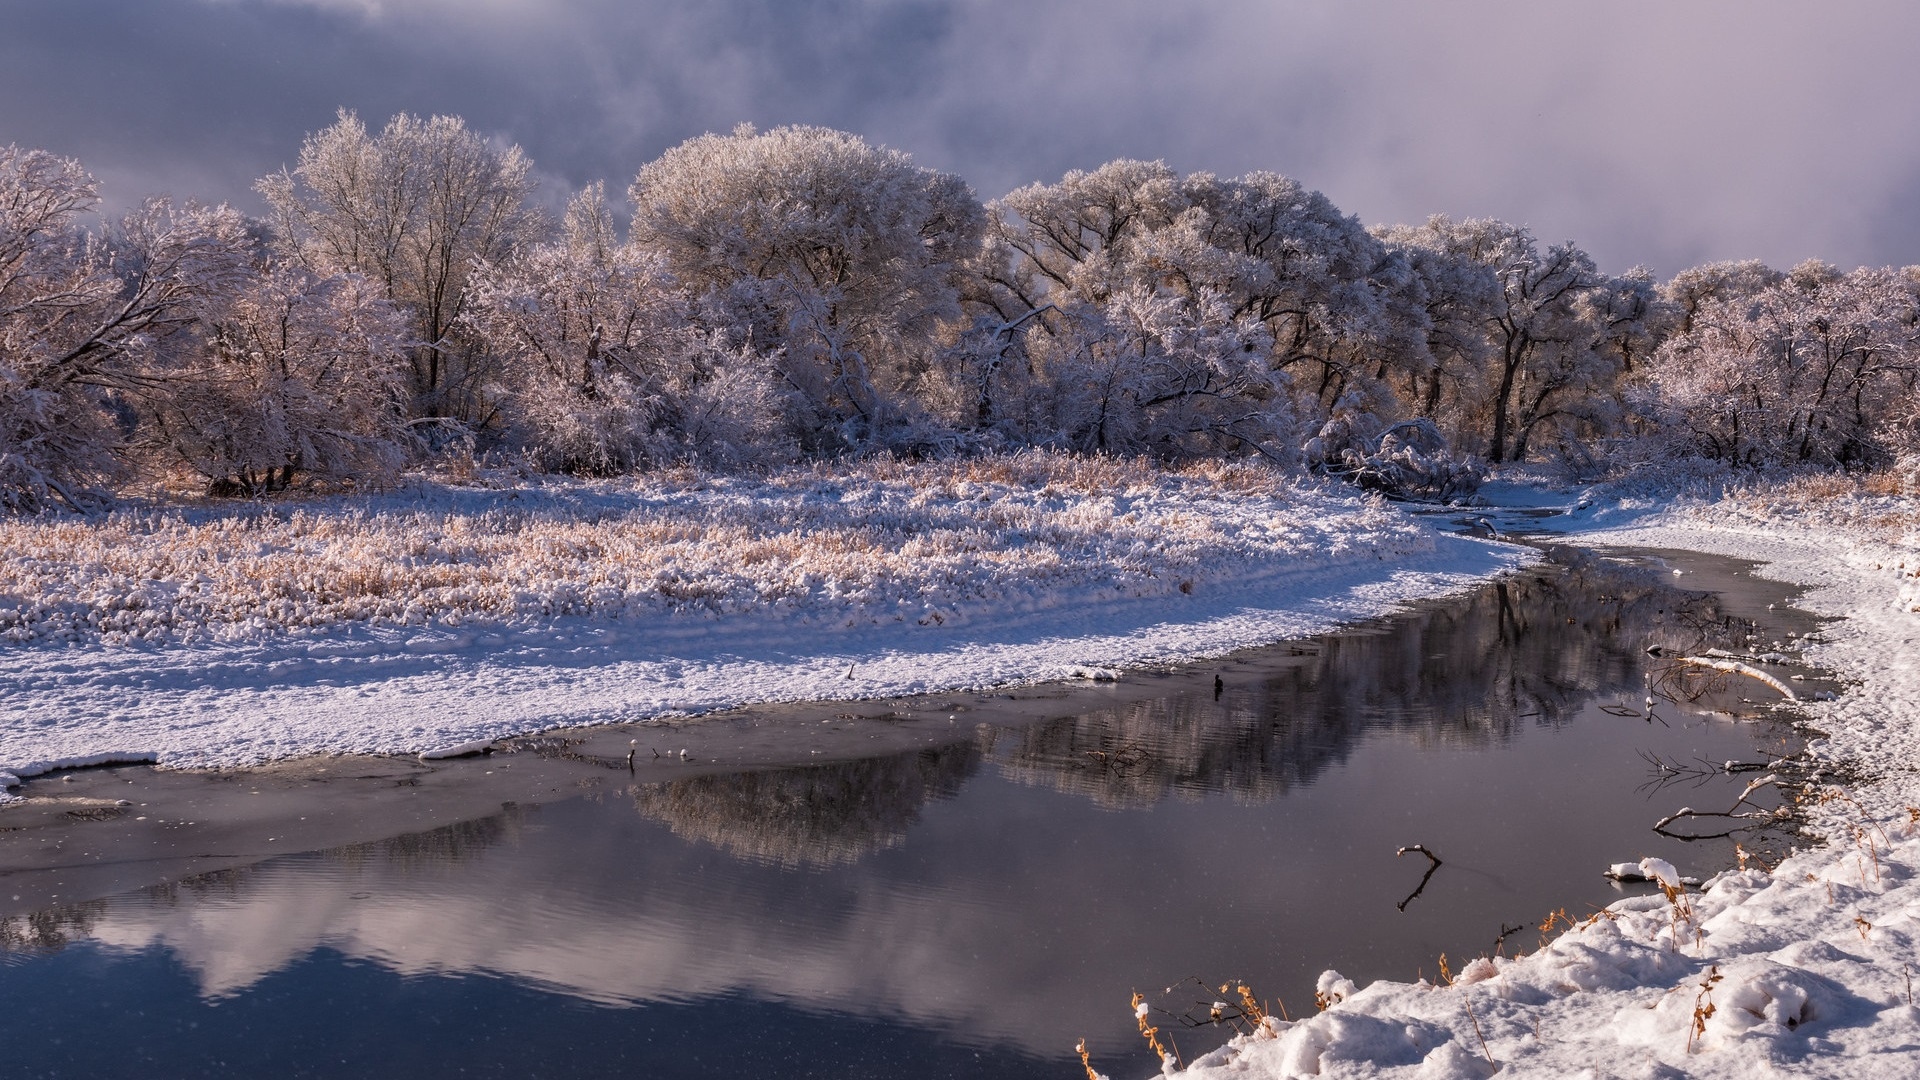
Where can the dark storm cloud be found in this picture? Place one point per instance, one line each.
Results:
(1651, 132)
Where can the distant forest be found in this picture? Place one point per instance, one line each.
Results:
(799, 294)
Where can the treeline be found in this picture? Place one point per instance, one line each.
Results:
(800, 294)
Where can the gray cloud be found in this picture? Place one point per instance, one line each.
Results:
(1651, 132)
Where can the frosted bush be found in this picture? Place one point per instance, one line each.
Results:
(291, 375)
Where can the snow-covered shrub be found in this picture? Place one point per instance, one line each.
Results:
(726, 412)
(293, 374)
(602, 368)
(1406, 460)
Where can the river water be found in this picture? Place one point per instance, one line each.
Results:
(969, 908)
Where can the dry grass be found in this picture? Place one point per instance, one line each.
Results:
(1703, 1007)
(1882, 506)
(885, 542)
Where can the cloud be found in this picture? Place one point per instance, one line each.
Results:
(1651, 132)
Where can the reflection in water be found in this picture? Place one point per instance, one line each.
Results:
(820, 815)
(1534, 649)
(454, 843)
(985, 891)
(50, 929)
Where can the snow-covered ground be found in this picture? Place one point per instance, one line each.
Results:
(1804, 971)
(440, 615)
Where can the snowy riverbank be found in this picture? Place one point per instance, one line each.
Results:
(1806, 971)
(442, 615)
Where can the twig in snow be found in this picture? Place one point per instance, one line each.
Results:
(1468, 998)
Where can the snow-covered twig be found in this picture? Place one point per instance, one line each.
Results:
(1734, 667)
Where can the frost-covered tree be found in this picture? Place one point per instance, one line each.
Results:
(80, 313)
(1458, 296)
(1817, 368)
(840, 258)
(1728, 282)
(1901, 426)
(1317, 310)
(411, 209)
(1559, 333)
(603, 368)
(291, 374)
(1149, 370)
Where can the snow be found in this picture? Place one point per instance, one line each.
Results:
(493, 612)
(12, 775)
(1804, 971)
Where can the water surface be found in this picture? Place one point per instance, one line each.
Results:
(964, 909)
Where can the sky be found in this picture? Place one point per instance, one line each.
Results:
(1652, 132)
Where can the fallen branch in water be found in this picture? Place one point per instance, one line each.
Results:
(1433, 863)
(1735, 667)
(1732, 813)
(1667, 771)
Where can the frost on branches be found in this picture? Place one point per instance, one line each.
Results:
(410, 209)
(1813, 367)
(800, 294)
(82, 313)
(1557, 335)
(604, 367)
(839, 259)
(291, 374)
(1181, 316)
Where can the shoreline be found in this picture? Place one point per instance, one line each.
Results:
(406, 693)
(1757, 970)
(144, 824)
(186, 821)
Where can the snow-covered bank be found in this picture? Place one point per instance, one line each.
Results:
(1806, 971)
(442, 616)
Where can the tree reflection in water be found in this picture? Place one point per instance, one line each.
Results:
(824, 815)
(1532, 649)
